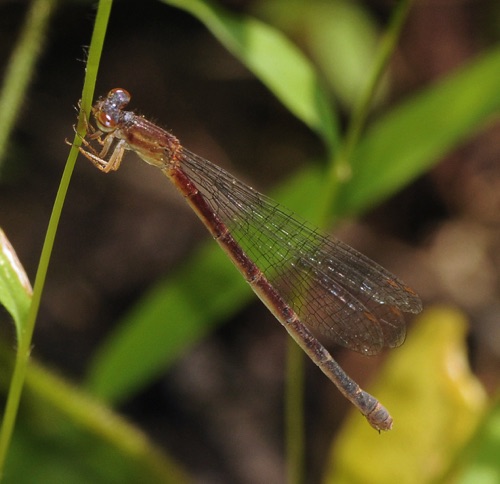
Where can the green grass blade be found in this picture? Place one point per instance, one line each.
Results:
(15, 288)
(275, 61)
(412, 137)
(25, 337)
(21, 66)
(63, 435)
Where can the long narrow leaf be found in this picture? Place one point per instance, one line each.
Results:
(411, 138)
(275, 61)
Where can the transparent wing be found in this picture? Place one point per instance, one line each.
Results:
(337, 292)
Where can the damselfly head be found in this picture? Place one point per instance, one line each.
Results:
(108, 111)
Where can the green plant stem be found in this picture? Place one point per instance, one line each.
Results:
(24, 344)
(25, 340)
(339, 171)
(340, 168)
(21, 65)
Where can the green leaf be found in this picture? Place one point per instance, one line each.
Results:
(172, 316)
(412, 137)
(15, 288)
(436, 403)
(275, 61)
(63, 435)
(479, 462)
(341, 35)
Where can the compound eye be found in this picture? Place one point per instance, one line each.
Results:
(118, 97)
(105, 121)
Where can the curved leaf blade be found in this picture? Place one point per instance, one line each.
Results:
(412, 137)
(15, 287)
(275, 61)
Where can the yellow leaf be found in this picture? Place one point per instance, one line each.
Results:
(436, 403)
